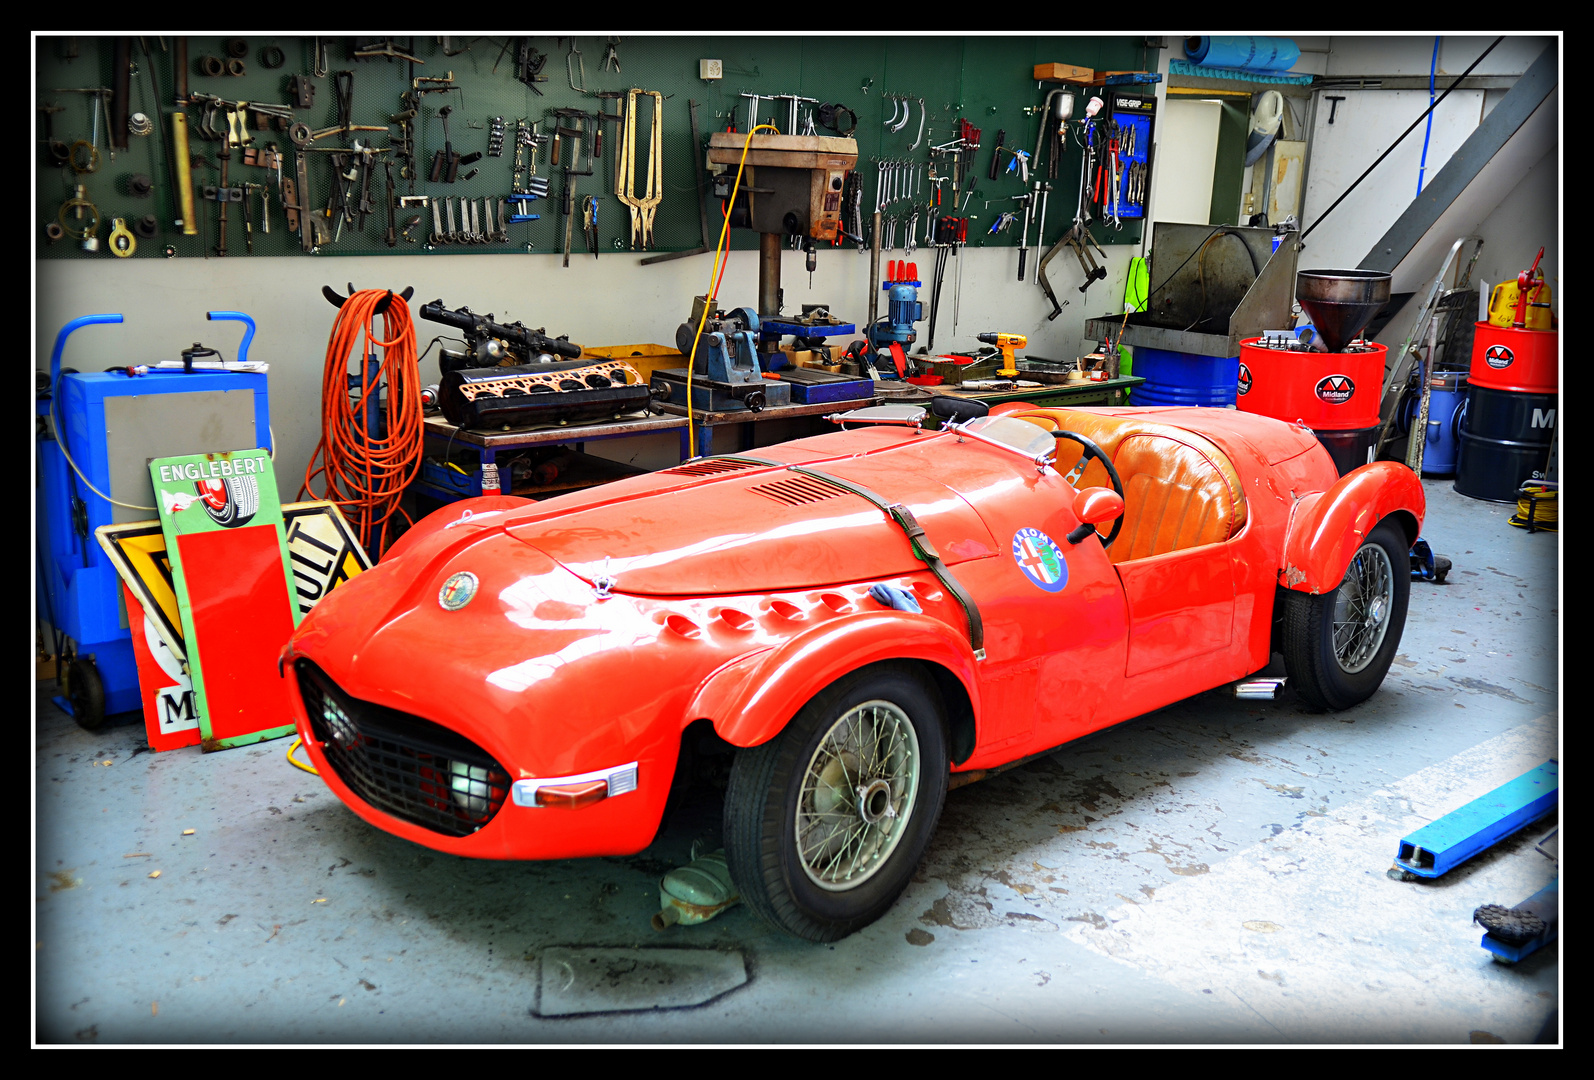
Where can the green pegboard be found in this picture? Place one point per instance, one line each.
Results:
(987, 80)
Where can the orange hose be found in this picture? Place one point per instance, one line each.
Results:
(366, 476)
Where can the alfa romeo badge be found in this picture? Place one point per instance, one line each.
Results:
(457, 591)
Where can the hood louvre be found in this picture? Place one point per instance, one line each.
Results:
(711, 467)
(798, 490)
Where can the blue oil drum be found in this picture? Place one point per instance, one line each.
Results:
(1447, 392)
(1176, 378)
(1505, 438)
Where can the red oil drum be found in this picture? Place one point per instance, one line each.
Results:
(1522, 361)
(1334, 394)
(1323, 391)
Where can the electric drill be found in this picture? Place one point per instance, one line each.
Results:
(1007, 343)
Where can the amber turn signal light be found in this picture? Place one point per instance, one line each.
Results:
(573, 796)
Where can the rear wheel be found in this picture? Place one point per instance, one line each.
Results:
(1338, 646)
(826, 822)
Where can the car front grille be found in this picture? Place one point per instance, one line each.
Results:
(408, 767)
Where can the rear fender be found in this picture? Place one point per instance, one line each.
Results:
(750, 700)
(1326, 528)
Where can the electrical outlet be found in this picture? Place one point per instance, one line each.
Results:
(711, 69)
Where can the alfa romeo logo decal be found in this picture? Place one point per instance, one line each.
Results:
(1039, 557)
(1336, 389)
(1245, 380)
(1499, 356)
(457, 591)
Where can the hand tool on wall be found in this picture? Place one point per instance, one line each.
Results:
(642, 208)
(445, 163)
(1023, 243)
(996, 154)
(589, 222)
(702, 198)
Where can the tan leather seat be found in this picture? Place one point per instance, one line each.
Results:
(1180, 490)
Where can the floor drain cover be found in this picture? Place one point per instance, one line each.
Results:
(595, 980)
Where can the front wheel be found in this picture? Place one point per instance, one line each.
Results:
(826, 822)
(1338, 646)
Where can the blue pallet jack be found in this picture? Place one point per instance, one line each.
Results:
(1442, 845)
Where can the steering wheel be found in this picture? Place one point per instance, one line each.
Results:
(1094, 451)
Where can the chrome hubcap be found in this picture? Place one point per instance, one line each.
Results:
(1361, 608)
(857, 795)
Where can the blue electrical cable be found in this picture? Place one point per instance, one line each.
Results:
(1432, 68)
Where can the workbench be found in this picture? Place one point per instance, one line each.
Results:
(1051, 395)
(706, 422)
(442, 435)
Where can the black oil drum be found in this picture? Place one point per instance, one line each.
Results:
(1505, 439)
(1350, 449)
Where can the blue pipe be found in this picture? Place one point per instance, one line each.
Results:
(236, 316)
(66, 331)
(1427, 131)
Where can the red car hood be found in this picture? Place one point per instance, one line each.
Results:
(766, 530)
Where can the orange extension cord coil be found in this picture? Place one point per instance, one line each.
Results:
(366, 476)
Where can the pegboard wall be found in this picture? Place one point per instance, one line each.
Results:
(134, 175)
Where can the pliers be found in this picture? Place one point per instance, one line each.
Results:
(589, 222)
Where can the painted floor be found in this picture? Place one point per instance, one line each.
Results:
(1212, 873)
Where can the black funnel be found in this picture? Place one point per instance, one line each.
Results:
(1341, 303)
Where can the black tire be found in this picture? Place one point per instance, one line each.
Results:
(86, 692)
(1333, 676)
(766, 804)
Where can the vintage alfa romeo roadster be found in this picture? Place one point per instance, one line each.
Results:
(864, 615)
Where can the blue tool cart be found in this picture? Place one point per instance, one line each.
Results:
(96, 434)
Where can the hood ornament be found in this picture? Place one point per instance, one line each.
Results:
(604, 582)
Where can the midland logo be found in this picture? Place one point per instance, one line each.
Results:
(1245, 380)
(1037, 555)
(1499, 356)
(1336, 389)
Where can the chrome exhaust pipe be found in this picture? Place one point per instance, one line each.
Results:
(1258, 689)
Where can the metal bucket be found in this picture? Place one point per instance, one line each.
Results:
(1176, 378)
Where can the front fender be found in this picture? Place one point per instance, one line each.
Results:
(750, 701)
(1326, 528)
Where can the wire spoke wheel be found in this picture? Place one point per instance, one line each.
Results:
(857, 795)
(1338, 646)
(825, 822)
(1362, 607)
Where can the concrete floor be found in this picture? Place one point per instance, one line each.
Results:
(1211, 873)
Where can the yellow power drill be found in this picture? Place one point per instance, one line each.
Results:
(1007, 343)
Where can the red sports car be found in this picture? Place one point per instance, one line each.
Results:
(868, 616)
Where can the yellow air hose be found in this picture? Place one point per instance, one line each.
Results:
(714, 285)
(296, 763)
(1536, 506)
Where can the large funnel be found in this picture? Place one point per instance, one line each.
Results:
(1341, 303)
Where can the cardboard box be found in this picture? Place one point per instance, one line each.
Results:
(1066, 72)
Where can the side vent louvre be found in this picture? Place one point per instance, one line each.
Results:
(710, 467)
(797, 490)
